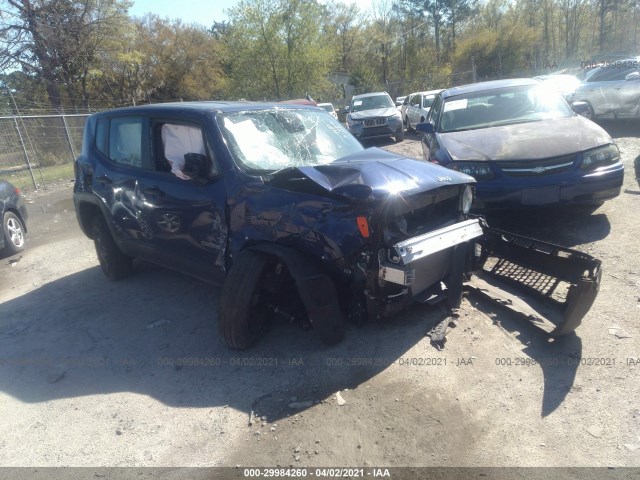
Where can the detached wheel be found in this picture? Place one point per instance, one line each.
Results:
(115, 264)
(399, 135)
(13, 233)
(243, 314)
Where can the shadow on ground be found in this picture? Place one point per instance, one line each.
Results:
(156, 334)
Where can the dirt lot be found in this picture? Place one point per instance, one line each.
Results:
(95, 373)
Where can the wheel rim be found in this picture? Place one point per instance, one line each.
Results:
(16, 235)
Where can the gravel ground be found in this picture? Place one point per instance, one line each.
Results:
(133, 373)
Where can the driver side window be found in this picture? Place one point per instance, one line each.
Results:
(435, 110)
(177, 143)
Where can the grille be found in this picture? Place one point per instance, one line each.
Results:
(372, 122)
(546, 285)
(547, 166)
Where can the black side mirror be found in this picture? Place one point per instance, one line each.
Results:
(580, 107)
(196, 165)
(425, 127)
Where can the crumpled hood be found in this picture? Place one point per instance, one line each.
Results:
(377, 112)
(526, 141)
(373, 173)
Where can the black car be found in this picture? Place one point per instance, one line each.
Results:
(14, 219)
(282, 205)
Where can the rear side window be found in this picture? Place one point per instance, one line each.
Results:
(120, 139)
(610, 74)
(125, 141)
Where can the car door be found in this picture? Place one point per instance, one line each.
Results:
(124, 158)
(184, 213)
(414, 109)
(430, 145)
(627, 94)
(602, 89)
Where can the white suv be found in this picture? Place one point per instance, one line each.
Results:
(416, 107)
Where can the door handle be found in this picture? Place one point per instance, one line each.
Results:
(104, 180)
(153, 191)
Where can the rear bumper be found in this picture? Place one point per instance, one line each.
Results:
(590, 187)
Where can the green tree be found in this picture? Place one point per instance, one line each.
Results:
(58, 41)
(277, 48)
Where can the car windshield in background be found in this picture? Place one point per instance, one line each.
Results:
(504, 106)
(268, 140)
(428, 101)
(371, 103)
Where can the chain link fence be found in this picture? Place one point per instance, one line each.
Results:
(38, 150)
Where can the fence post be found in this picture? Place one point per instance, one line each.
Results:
(24, 150)
(66, 130)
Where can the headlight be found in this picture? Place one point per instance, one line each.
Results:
(600, 156)
(354, 123)
(478, 170)
(466, 199)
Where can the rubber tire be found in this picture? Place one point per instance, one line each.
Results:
(11, 248)
(399, 135)
(237, 301)
(114, 263)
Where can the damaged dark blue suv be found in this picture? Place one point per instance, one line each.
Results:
(282, 206)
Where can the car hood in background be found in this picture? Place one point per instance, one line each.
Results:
(526, 141)
(368, 174)
(376, 112)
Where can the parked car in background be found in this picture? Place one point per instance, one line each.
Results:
(400, 101)
(285, 208)
(612, 89)
(14, 219)
(329, 108)
(563, 84)
(417, 107)
(374, 115)
(523, 144)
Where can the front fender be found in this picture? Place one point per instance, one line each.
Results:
(316, 289)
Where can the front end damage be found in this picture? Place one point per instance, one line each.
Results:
(391, 232)
(551, 286)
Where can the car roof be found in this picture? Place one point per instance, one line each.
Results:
(491, 85)
(372, 94)
(204, 106)
(428, 92)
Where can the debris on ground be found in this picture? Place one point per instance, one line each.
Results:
(595, 431)
(341, 401)
(618, 332)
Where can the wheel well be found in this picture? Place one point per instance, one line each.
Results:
(86, 213)
(421, 119)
